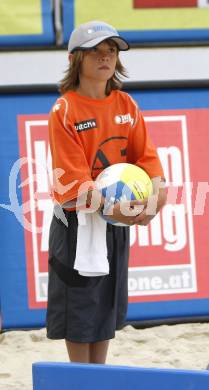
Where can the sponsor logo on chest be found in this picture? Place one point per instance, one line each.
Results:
(86, 125)
(122, 119)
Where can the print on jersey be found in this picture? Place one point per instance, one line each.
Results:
(109, 152)
(86, 125)
(122, 119)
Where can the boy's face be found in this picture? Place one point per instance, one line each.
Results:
(99, 63)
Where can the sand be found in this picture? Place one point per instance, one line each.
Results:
(184, 346)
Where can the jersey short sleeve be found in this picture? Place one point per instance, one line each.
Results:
(141, 150)
(71, 173)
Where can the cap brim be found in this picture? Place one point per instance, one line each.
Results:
(121, 43)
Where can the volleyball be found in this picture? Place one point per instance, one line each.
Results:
(123, 182)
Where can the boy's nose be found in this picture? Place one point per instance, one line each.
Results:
(104, 54)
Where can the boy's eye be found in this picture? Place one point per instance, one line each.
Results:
(111, 50)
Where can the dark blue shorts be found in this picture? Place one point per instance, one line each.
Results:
(85, 309)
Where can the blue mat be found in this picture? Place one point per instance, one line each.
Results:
(71, 376)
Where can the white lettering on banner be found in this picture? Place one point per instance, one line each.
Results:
(160, 281)
(156, 231)
(151, 235)
(172, 229)
(43, 169)
(49, 165)
(175, 281)
(43, 166)
(46, 206)
(186, 279)
(171, 161)
(172, 193)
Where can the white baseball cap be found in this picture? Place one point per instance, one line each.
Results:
(89, 35)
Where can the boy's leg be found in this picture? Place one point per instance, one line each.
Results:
(98, 352)
(78, 352)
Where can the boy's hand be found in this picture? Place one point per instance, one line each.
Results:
(139, 212)
(126, 212)
(154, 205)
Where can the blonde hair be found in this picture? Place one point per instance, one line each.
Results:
(71, 78)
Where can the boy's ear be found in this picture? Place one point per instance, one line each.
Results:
(70, 56)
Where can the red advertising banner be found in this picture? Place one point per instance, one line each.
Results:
(169, 258)
(170, 3)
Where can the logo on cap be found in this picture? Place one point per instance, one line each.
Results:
(100, 27)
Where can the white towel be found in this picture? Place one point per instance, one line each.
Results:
(91, 252)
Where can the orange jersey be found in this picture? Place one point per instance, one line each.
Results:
(87, 135)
